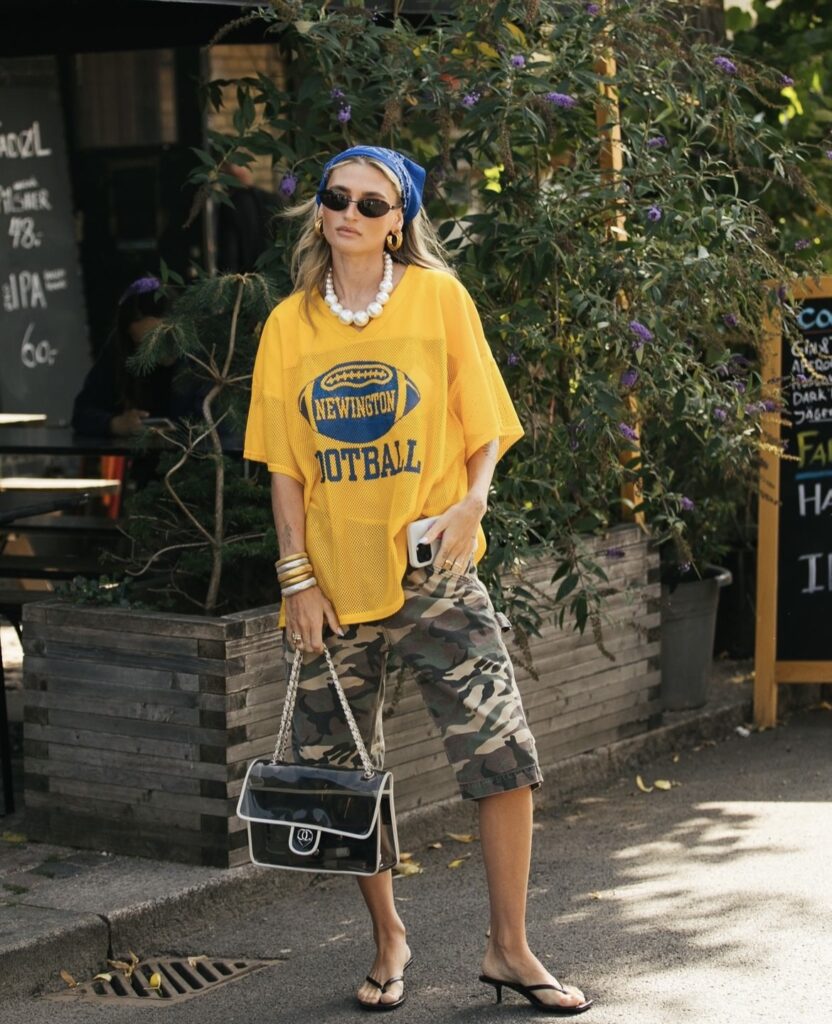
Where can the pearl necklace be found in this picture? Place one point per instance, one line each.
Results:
(362, 316)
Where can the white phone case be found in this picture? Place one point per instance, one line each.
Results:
(415, 532)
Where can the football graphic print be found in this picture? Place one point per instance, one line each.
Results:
(357, 401)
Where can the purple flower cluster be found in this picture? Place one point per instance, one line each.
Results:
(513, 359)
(654, 213)
(593, 9)
(656, 142)
(518, 61)
(470, 99)
(627, 431)
(786, 80)
(739, 385)
(560, 99)
(754, 407)
(802, 243)
(720, 415)
(725, 65)
(642, 334)
(829, 154)
(288, 184)
(687, 504)
(615, 553)
(629, 378)
(344, 109)
(730, 319)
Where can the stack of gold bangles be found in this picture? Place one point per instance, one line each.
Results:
(295, 573)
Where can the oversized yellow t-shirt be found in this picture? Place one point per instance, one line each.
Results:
(377, 424)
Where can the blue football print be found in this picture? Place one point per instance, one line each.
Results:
(357, 401)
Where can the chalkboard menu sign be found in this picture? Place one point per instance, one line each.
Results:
(794, 579)
(43, 335)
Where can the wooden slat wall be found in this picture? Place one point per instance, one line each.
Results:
(138, 727)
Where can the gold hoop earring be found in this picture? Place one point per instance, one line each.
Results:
(319, 226)
(394, 241)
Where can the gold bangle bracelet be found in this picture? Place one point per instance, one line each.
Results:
(298, 563)
(289, 558)
(296, 576)
(298, 587)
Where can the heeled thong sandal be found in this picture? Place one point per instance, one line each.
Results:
(380, 1006)
(529, 992)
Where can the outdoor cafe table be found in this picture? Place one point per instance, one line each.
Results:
(38, 440)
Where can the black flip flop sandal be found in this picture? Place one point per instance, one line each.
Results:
(380, 1007)
(529, 992)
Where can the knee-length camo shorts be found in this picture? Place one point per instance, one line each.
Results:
(447, 636)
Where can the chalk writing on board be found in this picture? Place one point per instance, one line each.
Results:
(805, 521)
(44, 349)
(23, 144)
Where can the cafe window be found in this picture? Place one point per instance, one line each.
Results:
(125, 99)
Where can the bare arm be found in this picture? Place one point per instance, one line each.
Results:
(308, 610)
(458, 525)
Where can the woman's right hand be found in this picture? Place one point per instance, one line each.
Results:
(306, 613)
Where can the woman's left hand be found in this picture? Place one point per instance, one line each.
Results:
(457, 528)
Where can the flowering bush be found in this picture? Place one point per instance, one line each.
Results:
(623, 308)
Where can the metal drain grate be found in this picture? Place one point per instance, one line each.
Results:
(180, 980)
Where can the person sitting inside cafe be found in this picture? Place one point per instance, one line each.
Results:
(114, 402)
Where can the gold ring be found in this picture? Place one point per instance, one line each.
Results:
(297, 638)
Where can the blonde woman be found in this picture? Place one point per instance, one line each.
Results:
(376, 402)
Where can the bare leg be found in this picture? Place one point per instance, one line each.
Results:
(392, 950)
(506, 837)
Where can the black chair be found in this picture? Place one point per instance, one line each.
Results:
(11, 607)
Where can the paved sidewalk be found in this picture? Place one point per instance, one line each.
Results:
(707, 902)
(70, 909)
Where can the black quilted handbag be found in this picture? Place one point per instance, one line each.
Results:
(307, 817)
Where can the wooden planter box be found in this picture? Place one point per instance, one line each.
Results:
(139, 726)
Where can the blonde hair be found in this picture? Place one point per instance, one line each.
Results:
(311, 256)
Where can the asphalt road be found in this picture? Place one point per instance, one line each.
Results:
(710, 902)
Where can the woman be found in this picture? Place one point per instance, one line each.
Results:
(375, 405)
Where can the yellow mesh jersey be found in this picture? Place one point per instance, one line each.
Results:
(377, 424)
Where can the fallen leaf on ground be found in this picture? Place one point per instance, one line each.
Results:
(595, 895)
(410, 867)
(405, 857)
(676, 758)
(13, 837)
(192, 960)
(69, 979)
(434, 846)
(457, 862)
(123, 966)
(662, 784)
(462, 838)
(155, 980)
(104, 976)
(641, 786)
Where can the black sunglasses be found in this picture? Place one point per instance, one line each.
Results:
(367, 207)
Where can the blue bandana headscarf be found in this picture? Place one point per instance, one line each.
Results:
(410, 175)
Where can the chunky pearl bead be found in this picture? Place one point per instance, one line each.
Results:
(363, 316)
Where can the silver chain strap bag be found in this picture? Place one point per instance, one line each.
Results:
(308, 817)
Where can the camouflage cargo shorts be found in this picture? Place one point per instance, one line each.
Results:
(446, 636)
